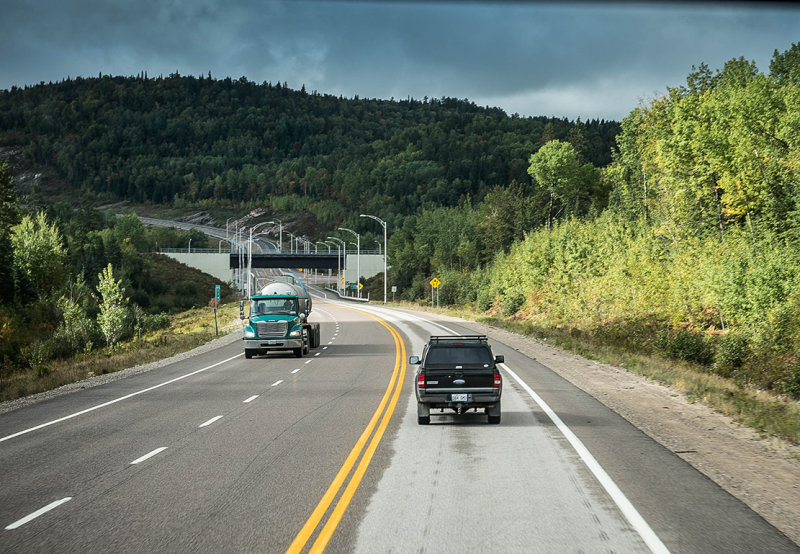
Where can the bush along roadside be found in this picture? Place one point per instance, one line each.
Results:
(726, 383)
(171, 335)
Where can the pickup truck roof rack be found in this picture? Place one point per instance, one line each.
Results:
(457, 338)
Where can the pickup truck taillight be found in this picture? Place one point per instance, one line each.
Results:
(421, 381)
(498, 381)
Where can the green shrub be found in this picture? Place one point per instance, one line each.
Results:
(790, 384)
(186, 288)
(512, 302)
(731, 353)
(485, 300)
(689, 346)
(153, 322)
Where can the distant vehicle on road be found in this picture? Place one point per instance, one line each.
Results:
(458, 373)
(278, 320)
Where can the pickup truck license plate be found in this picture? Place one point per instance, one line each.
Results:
(459, 397)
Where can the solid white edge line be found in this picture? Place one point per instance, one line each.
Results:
(250, 399)
(210, 421)
(628, 510)
(110, 402)
(278, 382)
(148, 455)
(37, 513)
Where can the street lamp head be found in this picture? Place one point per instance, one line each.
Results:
(376, 218)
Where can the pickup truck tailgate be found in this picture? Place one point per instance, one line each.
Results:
(465, 380)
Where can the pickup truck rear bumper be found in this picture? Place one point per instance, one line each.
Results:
(426, 401)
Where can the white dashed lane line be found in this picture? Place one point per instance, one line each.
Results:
(210, 421)
(278, 382)
(37, 513)
(295, 370)
(149, 455)
(250, 399)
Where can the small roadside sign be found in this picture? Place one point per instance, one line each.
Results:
(435, 283)
(216, 303)
(360, 286)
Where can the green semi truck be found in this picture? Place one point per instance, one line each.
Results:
(278, 319)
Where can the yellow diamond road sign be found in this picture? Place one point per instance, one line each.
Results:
(435, 283)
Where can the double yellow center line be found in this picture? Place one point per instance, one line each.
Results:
(384, 414)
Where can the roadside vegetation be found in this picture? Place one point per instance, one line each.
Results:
(693, 254)
(184, 331)
(83, 290)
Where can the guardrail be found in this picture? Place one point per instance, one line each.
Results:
(193, 251)
(353, 298)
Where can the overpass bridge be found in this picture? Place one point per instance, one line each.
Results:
(310, 260)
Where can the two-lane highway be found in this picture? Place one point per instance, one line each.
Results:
(211, 453)
(219, 453)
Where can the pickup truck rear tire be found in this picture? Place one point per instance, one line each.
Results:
(424, 420)
(494, 414)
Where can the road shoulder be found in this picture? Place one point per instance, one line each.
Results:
(762, 472)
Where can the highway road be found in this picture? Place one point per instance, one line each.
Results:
(218, 453)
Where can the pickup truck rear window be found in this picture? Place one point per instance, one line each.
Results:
(458, 356)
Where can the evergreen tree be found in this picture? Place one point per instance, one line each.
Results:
(8, 217)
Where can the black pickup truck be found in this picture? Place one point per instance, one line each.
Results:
(458, 373)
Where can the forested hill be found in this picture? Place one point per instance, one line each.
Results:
(188, 139)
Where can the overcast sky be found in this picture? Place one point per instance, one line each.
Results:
(588, 60)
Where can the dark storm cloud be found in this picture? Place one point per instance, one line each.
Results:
(573, 59)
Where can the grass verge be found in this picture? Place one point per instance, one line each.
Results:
(187, 330)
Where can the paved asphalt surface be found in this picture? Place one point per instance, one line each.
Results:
(235, 455)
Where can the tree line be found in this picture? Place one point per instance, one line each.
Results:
(184, 140)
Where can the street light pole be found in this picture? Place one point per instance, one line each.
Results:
(250, 258)
(358, 258)
(385, 253)
(338, 253)
(280, 235)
